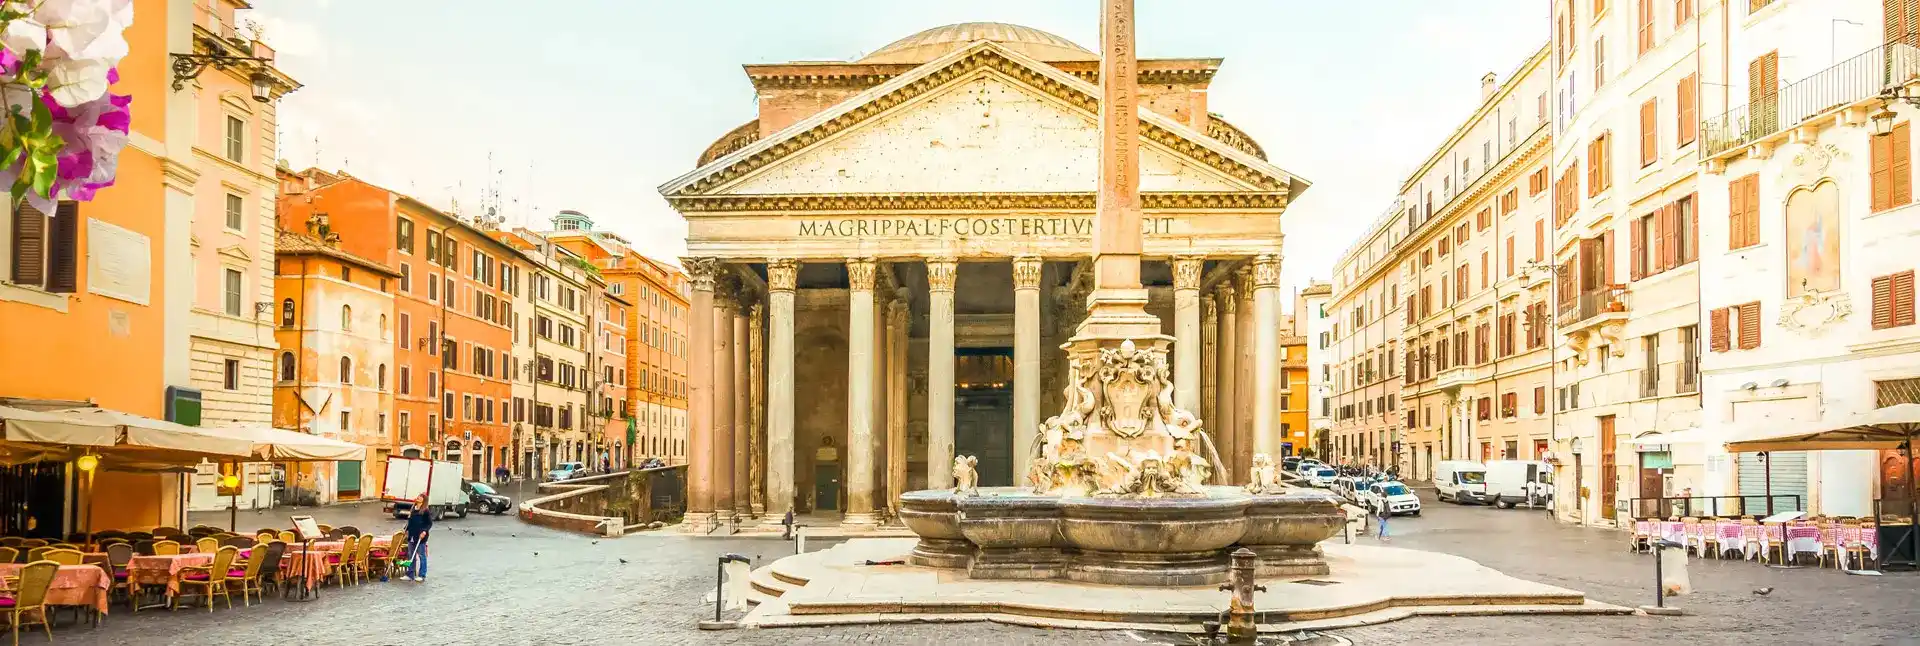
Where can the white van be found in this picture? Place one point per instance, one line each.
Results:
(1460, 481)
(1516, 482)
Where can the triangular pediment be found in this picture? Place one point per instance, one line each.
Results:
(983, 120)
(236, 252)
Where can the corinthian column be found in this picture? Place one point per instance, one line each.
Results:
(1209, 364)
(940, 279)
(860, 394)
(780, 281)
(756, 408)
(1225, 406)
(701, 272)
(1186, 332)
(722, 356)
(742, 418)
(896, 348)
(1243, 392)
(1026, 362)
(1266, 354)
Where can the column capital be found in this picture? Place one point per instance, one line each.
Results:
(1243, 281)
(1186, 271)
(702, 272)
(1206, 311)
(725, 307)
(781, 274)
(941, 273)
(754, 312)
(1266, 270)
(1228, 302)
(1026, 272)
(860, 274)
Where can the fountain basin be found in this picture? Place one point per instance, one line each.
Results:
(1011, 533)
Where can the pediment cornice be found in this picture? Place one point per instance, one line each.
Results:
(929, 202)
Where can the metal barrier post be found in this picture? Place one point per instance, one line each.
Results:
(720, 592)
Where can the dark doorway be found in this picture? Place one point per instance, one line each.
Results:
(826, 487)
(33, 500)
(983, 412)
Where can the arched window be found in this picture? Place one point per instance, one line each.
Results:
(286, 313)
(383, 327)
(346, 370)
(286, 363)
(382, 376)
(346, 317)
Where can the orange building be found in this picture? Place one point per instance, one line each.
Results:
(333, 375)
(453, 313)
(610, 371)
(94, 299)
(656, 334)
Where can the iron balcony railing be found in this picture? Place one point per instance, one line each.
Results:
(1587, 305)
(1851, 81)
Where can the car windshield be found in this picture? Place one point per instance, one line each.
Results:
(481, 488)
(1472, 477)
(1394, 490)
(1325, 473)
(1546, 478)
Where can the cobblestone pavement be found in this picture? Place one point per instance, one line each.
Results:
(497, 581)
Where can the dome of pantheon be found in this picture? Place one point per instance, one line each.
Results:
(939, 41)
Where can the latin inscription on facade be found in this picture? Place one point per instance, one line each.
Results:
(997, 227)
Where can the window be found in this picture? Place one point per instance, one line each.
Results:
(1537, 182)
(1736, 326)
(235, 220)
(403, 235)
(1682, 12)
(1893, 300)
(346, 370)
(433, 247)
(1687, 119)
(230, 375)
(1646, 26)
(1599, 164)
(346, 420)
(405, 331)
(1689, 359)
(1539, 400)
(406, 380)
(1892, 172)
(346, 318)
(1509, 405)
(236, 138)
(1599, 63)
(1641, 230)
(1566, 199)
(1743, 212)
(1650, 372)
(286, 313)
(380, 377)
(1649, 129)
(233, 289)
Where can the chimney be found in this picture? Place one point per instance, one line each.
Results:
(317, 226)
(1487, 86)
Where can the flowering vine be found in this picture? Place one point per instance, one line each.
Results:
(62, 132)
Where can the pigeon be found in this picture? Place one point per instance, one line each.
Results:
(596, 542)
(536, 553)
(623, 561)
(1763, 591)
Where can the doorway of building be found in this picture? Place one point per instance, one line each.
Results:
(33, 499)
(1609, 478)
(826, 487)
(983, 412)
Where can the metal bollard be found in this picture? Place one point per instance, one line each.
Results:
(720, 591)
(1241, 627)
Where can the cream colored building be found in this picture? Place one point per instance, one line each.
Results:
(915, 226)
(1627, 85)
(1310, 320)
(231, 342)
(564, 292)
(1362, 337)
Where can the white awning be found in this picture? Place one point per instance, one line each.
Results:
(160, 441)
(281, 445)
(1880, 428)
(24, 425)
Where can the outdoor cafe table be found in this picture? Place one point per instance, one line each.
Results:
(73, 585)
(161, 570)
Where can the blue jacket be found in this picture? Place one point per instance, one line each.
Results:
(419, 521)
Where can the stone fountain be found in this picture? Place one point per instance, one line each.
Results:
(1125, 487)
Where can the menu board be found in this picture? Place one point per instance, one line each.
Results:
(307, 528)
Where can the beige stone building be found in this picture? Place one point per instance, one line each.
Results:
(915, 226)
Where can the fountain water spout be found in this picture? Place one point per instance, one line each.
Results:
(1241, 628)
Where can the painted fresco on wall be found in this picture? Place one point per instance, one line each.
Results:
(1813, 239)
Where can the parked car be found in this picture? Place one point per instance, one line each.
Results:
(482, 498)
(566, 471)
(1392, 495)
(1290, 463)
(1321, 476)
(1460, 481)
(1307, 466)
(1513, 482)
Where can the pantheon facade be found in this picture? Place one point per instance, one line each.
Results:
(887, 260)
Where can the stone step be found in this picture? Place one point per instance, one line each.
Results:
(766, 583)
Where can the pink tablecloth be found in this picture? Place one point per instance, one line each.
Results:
(162, 570)
(313, 566)
(74, 585)
(335, 546)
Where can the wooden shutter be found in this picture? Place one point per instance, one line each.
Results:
(1901, 169)
(1637, 248)
(1719, 334)
(1750, 326)
(29, 246)
(1763, 83)
(1486, 269)
(1736, 204)
(1903, 298)
(1880, 170)
(1750, 218)
(1688, 120)
(63, 249)
(1539, 239)
(1900, 18)
(1668, 221)
(1882, 302)
(1510, 258)
(1693, 228)
(1646, 26)
(1606, 259)
(1649, 132)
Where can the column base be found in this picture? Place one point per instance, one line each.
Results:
(759, 510)
(1019, 563)
(1289, 560)
(696, 522)
(859, 522)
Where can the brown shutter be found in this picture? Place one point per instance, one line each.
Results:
(29, 246)
(1486, 271)
(1901, 168)
(1736, 206)
(1750, 219)
(1649, 132)
(1606, 258)
(1882, 302)
(1903, 298)
(1510, 258)
(1689, 121)
(1718, 334)
(1539, 239)
(1637, 248)
(1669, 223)
(1880, 170)
(1750, 326)
(1693, 228)
(63, 249)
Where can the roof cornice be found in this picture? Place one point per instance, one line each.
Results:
(969, 202)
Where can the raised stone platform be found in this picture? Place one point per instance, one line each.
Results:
(1368, 585)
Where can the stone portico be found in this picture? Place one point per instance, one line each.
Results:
(909, 233)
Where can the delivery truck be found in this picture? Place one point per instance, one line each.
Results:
(408, 478)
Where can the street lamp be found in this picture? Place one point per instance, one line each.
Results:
(1883, 121)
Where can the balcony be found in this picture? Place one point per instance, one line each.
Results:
(1457, 376)
(1852, 81)
(1593, 308)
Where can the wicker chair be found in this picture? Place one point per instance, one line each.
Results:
(35, 542)
(166, 548)
(63, 556)
(118, 556)
(287, 536)
(12, 541)
(270, 568)
(363, 560)
(383, 560)
(29, 597)
(342, 562)
(248, 577)
(209, 579)
(242, 542)
(206, 544)
(165, 531)
(9, 554)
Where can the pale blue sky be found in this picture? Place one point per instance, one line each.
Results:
(590, 104)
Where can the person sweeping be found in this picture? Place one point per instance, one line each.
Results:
(419, 523)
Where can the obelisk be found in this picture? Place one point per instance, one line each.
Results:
(1117, 306)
